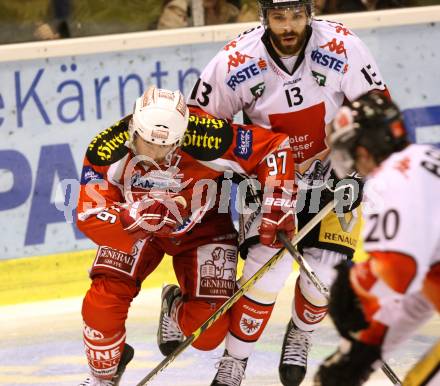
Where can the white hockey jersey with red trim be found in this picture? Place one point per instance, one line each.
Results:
(248, 75)
(402, 209)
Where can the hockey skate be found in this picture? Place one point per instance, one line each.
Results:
(169, 335)
(127, 356)
(230, 371)
(293, 362)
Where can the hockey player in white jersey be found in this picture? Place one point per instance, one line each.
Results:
(375, 305)
(290, 75)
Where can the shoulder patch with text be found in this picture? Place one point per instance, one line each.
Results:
(109, 145)
(207, 138)
(244, 139)
(89, 174)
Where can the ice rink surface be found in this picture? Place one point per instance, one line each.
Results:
(41, 344)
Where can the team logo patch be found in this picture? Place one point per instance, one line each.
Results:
(250, 325)
(89, 174)
(326, 59)
(207, 138)
(320, 79)
(92, 334)
(243, 148)
(258, 89)
(217, 264)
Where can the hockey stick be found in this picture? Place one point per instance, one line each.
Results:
(244, 288)
(321, 287)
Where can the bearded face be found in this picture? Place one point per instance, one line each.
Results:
(287, 28)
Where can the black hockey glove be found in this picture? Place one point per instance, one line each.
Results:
(351, 365)
(344, 306)
(348, 192)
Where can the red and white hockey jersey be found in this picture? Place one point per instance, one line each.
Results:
(399, 285)
(401, 215)
(248, 75)
(210, 147)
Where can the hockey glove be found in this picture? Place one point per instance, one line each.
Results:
(159, 216)
(348, 192)
(351, 365)
(344, 305)
(278, 215)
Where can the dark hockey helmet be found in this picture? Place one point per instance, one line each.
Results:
(271, 4)
(371, 121)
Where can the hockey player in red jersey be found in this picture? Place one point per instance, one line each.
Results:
(150, 185)
(375, 305)
(289, 75)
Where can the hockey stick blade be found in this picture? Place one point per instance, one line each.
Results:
(234, 298)
(322, 288)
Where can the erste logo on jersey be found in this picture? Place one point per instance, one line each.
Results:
(330, 55)
(326, 59)
(245, 73)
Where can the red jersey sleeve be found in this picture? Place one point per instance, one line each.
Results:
(101, 197)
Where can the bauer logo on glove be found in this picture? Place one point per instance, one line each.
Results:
(278, 215)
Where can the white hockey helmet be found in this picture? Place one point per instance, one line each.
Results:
(160, 117)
